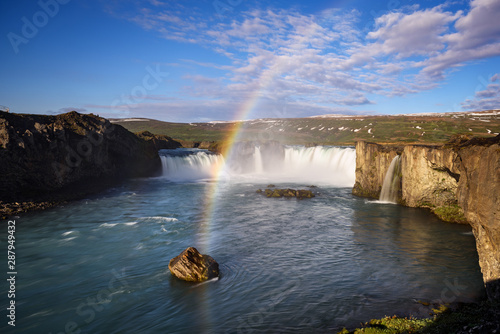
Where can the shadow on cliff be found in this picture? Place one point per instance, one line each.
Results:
(48, 159)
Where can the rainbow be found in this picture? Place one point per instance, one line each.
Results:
(210, 202)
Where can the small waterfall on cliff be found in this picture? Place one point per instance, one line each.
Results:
(265, 163)
(392, 181)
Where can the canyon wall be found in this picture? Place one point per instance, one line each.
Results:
(479, 196)
(431, 176)
(63, 157)
(458, 181)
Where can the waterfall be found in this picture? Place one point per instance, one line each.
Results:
(258, 160)
(183, 165)
(321, 165)
(265, 163)
(392, 181)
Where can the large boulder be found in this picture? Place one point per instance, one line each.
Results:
(192, 266)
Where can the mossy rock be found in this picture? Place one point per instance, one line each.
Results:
(288, 193)
(450, 214)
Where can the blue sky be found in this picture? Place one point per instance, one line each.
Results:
(186, 61)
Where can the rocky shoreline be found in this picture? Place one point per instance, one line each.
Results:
(10, 209)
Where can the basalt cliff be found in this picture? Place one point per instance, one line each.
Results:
(459, 181)
(64, 157)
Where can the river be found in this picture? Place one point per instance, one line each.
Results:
(100, 265)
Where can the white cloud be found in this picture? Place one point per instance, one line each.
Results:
(479, 27)
(477, 36)
(325, 60)
(488, 98)
(405, 35)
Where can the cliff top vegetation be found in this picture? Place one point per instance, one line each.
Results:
(332, 130)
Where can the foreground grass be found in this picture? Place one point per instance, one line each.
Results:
(483, 317)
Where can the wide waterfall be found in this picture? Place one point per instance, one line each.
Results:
(392, 182)
(269, 162)
(183, 165)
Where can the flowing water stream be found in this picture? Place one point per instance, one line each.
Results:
(311, 266)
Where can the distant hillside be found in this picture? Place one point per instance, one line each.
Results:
(331, 129)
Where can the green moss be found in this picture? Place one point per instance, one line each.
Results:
(462, 317)
(391, 325)
(450, 214)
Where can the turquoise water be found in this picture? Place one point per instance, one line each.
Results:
(100, 265)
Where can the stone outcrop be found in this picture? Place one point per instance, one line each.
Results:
(192, 266)
(458, 181)
(430, 176)
(64, 157)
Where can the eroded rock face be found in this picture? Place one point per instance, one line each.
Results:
(192, 266)
(479, 196)
(66, 156)
(430, 176)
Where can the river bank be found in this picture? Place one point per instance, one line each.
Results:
(459, 318)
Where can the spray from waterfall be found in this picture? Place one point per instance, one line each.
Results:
(190, 165)
(392, 182)
(265, 163)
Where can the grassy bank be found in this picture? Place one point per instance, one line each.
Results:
(483, 317)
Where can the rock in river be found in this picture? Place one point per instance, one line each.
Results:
(300, 194)
(192, 266)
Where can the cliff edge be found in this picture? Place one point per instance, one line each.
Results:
(478, 194)
(64, 157)
(459, 181)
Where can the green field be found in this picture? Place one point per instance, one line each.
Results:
(345, 130)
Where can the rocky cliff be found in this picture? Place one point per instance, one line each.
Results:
(431, 175)
(479, 196)
(54, 158)
(459, 181)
